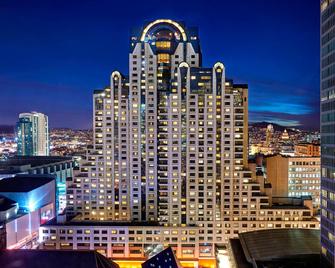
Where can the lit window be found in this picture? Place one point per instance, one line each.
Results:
(163, 44)
(163, 58)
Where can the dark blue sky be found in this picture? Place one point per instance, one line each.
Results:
(53, 54)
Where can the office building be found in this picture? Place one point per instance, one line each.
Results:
(327, 109)
(294, 176)
(26, 202)
(169, 161)
(32, 134)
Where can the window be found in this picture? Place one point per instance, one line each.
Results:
(163, 44)
(163, 58)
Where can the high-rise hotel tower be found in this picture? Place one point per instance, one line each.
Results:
(170, 153)
(327, 108)
(170, 140)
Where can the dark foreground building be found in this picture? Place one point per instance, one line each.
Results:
(54, 259)
(298, 248)
(165, 258)
(327, 124)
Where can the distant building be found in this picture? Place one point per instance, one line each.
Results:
(307, 149)
(54, 259)
(57, 166)
(165, 258)
(32, 134)
(26, 202)
(294, 176)
(269, 134)
(276, 248)
(285, 136)
(287, 148)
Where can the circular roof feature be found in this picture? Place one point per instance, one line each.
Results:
(164, 26)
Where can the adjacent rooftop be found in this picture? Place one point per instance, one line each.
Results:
(54, 259)
(24, 183)
(277, 248)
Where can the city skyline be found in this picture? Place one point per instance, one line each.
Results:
(193, 133)
(66, 58)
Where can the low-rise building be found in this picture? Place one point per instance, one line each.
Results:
(276, 248)
(294, 176)
(59, 167)
(193, 245)
(307, 149)
(54, 259)
(26, 202)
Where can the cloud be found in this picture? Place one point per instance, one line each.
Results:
(304, 121)
(283, 103)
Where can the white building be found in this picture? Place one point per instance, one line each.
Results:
(170, 151)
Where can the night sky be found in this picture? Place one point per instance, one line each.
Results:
(53, 54)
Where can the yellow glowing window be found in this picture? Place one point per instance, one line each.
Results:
(163, 44)
(163, 58)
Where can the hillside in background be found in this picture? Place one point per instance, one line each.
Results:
(275, 126)
(8, 129)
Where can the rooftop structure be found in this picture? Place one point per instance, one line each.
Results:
(26, 201)
(165, 258)
(23, 183)
(54, 259)
(30, 191)
(276, 248)
(27, 164)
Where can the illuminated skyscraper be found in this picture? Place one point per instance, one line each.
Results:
(172, 131)
(32, 134)
(169, 163)
(328, 130)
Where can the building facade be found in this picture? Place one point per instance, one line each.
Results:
(32, 134)
(294, 176)
(307, 149)
(327, 108)
(169, 161)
